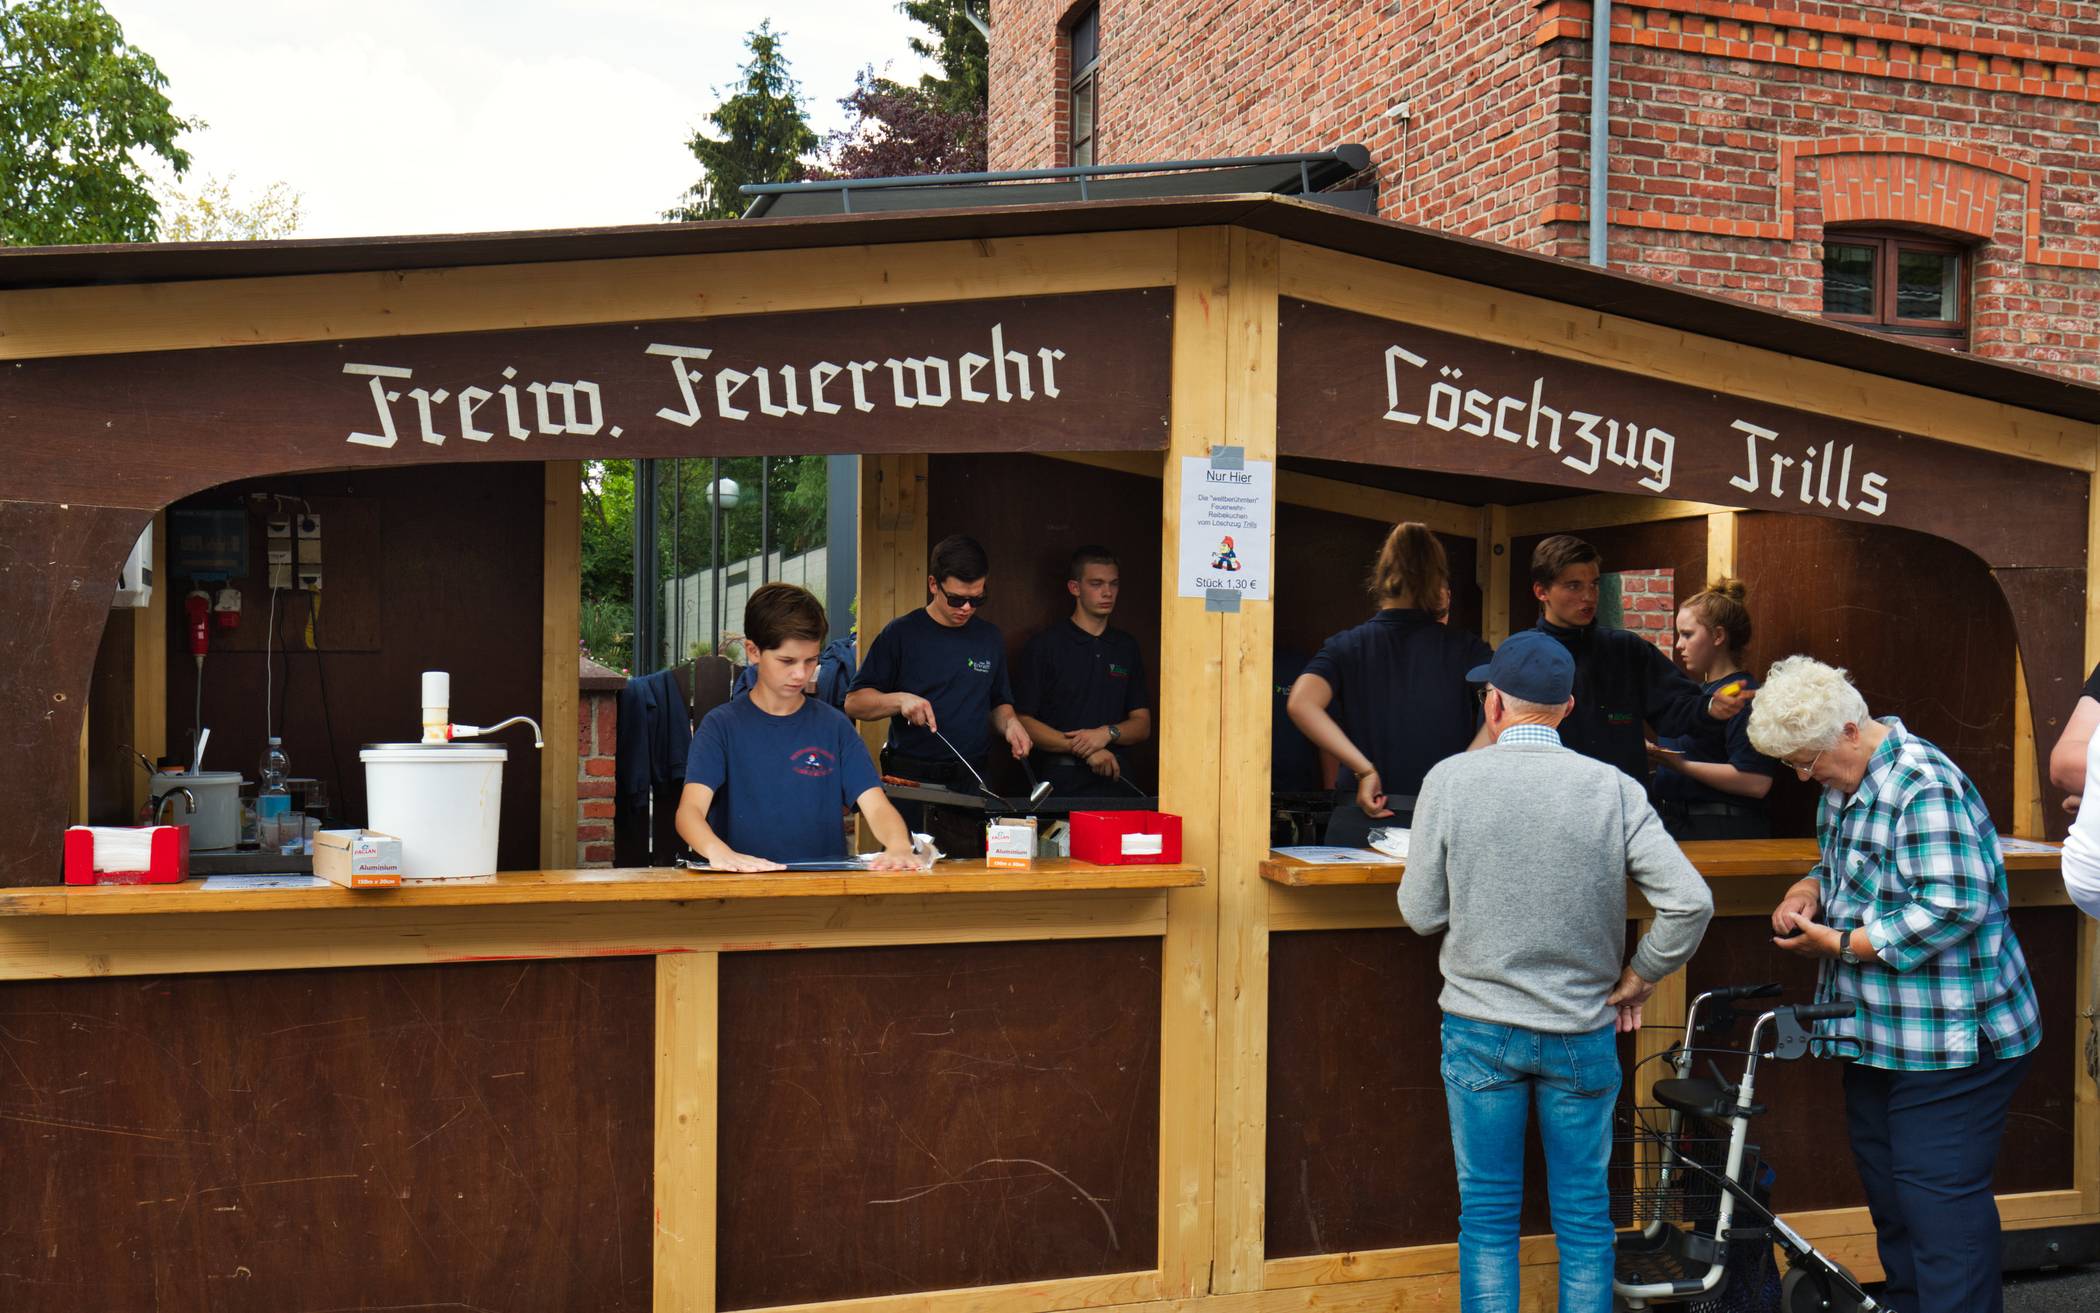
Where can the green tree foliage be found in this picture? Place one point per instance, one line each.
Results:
(78, 108)
(683, 533)
(958, 47)
(213, 212)
(764, 134)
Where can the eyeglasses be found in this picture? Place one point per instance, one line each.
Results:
(1805, 771)
(963, 602)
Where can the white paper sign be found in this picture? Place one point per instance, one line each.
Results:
(1228, 518)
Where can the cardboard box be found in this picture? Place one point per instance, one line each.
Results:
(358, 859)
(1009, 843)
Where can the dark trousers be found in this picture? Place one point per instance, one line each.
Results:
(1926, 1143)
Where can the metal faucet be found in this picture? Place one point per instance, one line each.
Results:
(160, 804)
(481, 731)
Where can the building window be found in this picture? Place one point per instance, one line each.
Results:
(1897, 282)
(1086, 101)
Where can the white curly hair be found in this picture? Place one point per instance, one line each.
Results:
(1803, 706)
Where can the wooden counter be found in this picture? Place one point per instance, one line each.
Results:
(598, 885)
(1716, 859)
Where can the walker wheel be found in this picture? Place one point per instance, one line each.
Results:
(1807, 1290)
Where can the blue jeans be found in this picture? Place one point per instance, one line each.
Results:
(1492, 1076)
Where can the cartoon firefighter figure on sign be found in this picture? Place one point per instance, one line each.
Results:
(1225, 558)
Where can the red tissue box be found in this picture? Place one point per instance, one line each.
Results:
(168, 858)
(1107, 838)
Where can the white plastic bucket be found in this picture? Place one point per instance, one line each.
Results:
(217, 821)
(443, 801)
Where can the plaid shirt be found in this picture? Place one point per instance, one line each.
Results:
(1913, 857)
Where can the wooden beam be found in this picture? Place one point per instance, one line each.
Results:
(77, 812)
(1191, 644)
(1241, 754)
(76, 947)
(1721, 531)
(892, 565)
(149, 668)
(1602, 510)
(561, 602)
(687, 1069)
(1359, 500)
(2085, 1081)
(1352, 282)
(83, 321)
(1492, 555)
(1131, 1290)
(2027, 761)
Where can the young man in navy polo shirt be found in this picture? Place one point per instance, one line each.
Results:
(771, 773)
(941, 669)
(1621, 679)
(1088, 676)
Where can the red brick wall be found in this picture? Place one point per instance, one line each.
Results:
(1648, 606)
(1740, 130)
(596, 724)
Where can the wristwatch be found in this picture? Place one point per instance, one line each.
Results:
(1845, 953)
(1115, 733)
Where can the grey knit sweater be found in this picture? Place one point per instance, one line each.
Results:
(1521, 853)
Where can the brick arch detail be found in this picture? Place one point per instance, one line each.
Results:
(1915, 180)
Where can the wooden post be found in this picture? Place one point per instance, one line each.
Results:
(2085, 1135)
(1720, 546)
(1190, 645)
(149, 669)
(1492, 568)
(1238, 758)
(561, 599)
(892, 553)
(687, 1023)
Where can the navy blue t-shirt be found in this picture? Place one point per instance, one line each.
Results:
(782, 783)
(960, 670)
(1712, 740)
(1069, 679)
(1400, 692)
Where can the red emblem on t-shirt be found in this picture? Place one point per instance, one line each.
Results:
(816, 763)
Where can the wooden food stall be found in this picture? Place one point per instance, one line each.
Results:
(1071, 1087)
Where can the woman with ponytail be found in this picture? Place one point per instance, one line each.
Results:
(1388, 698)
(1711, 784)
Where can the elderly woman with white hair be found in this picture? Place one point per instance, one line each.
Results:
(1906, 910)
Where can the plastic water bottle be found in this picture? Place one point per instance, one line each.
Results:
(273, 804)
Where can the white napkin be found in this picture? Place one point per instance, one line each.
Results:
(122, 849)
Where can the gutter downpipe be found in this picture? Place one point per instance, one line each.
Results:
(1600, 131)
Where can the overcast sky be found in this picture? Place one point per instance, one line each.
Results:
(471, 115)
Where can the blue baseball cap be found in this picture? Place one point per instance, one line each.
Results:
(1532, 666)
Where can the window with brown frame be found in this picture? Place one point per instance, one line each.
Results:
(1897, 282)
(1085, 37)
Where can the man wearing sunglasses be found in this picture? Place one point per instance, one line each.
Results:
(941, 672)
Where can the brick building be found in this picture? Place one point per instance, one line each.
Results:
(1924, 168)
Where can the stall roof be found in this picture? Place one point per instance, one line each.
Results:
(1287, 217)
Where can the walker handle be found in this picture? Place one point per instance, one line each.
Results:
(1729, 993)
(1823, 1011)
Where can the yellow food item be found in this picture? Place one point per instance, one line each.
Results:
(1732, 688)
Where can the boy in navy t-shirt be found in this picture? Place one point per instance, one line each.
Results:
(771, 773)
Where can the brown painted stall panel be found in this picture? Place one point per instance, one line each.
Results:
(448, 579)
(903, 1119)
(1359, 1142)
(1804, 1130)
(1057, 373)
(58, 573)
(1919, 622)
(1030, 512)
(1675, 545)
(1358, 388)
(414, 1137)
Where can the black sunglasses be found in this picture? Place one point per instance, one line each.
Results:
(958, 601)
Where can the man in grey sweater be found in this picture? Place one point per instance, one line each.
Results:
(1520, 853)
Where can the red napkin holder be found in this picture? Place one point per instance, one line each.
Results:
(1097, 837)
(167, 860)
